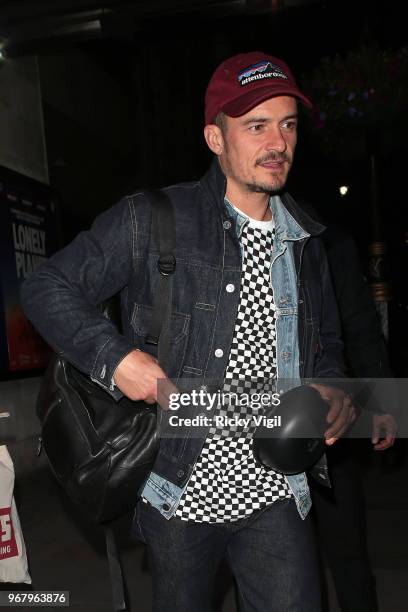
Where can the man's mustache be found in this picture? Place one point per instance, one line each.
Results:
(274, 157)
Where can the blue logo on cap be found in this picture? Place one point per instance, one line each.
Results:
(261, 70)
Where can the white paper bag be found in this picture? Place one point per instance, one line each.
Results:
(13, 557)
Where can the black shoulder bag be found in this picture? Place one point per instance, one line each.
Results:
(101, 451)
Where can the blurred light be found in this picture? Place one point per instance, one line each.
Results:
(93, 25)
(343, 190)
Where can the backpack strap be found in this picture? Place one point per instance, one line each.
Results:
(164, 235)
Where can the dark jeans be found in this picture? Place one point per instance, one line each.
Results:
(340, 516)
(271, 555)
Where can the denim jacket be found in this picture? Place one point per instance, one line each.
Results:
(118, 255)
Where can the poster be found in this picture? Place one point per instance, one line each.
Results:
(28, 233)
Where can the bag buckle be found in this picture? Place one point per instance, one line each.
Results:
(166, 264)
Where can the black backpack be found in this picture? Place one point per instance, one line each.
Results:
(101, 451)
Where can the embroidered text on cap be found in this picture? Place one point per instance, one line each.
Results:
(260, 70)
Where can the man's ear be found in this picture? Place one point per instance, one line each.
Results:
(214, 138)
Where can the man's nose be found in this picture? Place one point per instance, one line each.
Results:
(276, 141)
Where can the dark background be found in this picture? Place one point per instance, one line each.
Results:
(123, 97)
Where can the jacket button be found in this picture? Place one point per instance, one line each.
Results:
(219, 352)
(230, 288)
(166, 507)
(227, 224)
(180, 474)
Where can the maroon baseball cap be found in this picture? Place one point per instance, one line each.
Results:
(246, 80)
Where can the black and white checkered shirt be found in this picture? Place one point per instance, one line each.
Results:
(227, 483)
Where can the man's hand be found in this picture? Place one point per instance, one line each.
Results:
(384, 426)
(341, 413)
(137, 375)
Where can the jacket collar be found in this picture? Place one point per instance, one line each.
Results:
(312, 227)
(290, 220)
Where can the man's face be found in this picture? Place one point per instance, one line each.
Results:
(257, 148)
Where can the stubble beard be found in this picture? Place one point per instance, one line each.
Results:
(256, 187)
(277, 182)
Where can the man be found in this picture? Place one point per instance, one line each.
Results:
(243, 249)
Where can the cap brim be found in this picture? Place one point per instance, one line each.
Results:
(243, 104)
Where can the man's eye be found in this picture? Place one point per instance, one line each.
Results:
(289, 125)
(256, 128)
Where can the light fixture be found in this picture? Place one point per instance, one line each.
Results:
(343, 190)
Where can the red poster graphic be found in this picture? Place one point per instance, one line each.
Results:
(28, 237)
(8, 544)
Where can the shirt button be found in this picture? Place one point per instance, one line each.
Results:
(230, 288)
(219, 353)
(180, 473)
(226, 224)
(166, 507)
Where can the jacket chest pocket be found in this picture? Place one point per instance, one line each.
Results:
(175, 334)
(202, 323)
